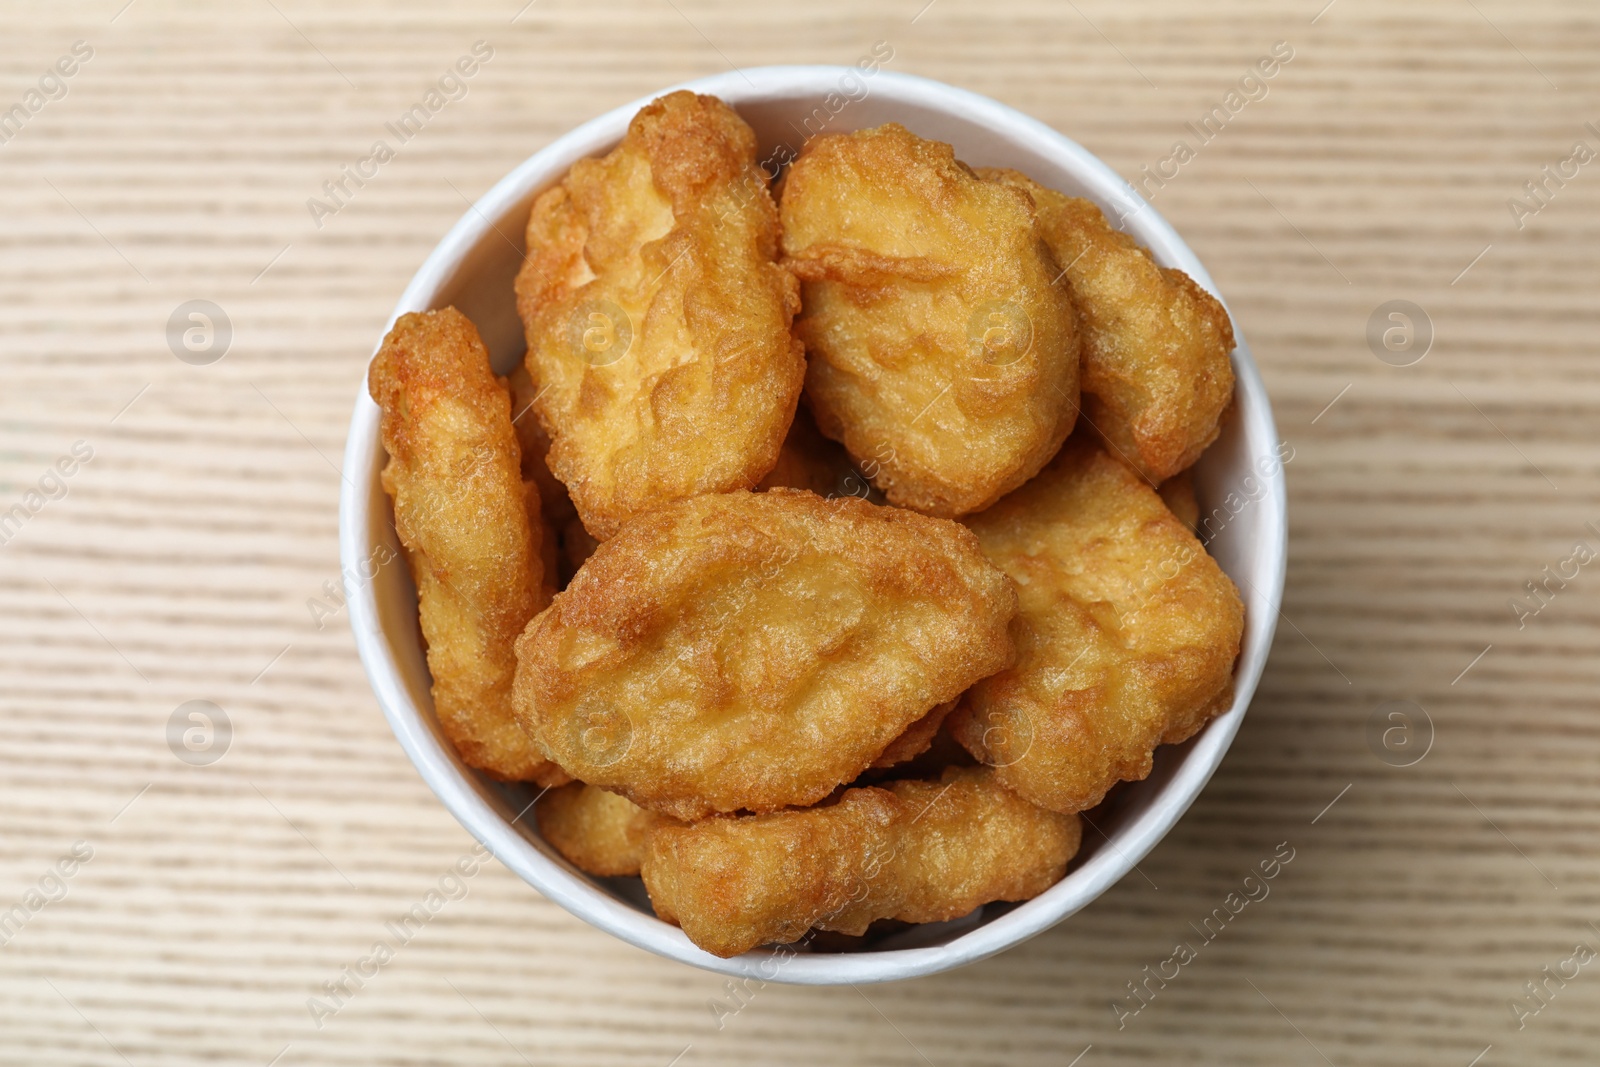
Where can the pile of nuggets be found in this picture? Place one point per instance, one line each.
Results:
(833, 549)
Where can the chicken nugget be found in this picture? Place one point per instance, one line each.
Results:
(657, 318)
(914, 851)
(597, 831)
(1127, 633)
(466, 521)
(755, 650)
(1156, 374)
(940, 348)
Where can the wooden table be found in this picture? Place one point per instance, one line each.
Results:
(176, 564)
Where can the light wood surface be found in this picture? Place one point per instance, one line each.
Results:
(179, 562)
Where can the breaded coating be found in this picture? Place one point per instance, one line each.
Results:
(749, 651)
(914, 851)
(464, 516)
(939, 345)
(597, 831)
(1126, 635)
(1177, 492)
(1156, 372)
(810, 461)
(657, 318)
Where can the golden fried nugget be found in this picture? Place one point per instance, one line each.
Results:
(465, 519)
(597, 831)
(1177, 492)
(657, 318)
(939, 346)
(914, 851)
(1126, 636)
(1156, 374)
(755, 650)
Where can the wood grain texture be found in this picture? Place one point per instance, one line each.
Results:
(178, 564)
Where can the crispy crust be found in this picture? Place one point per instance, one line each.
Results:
(756, 650)
(1156, 373)
(671, 240)
(597, 831)
(914, 851)
(463, 515)
(910, 266)
(1126, 635)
